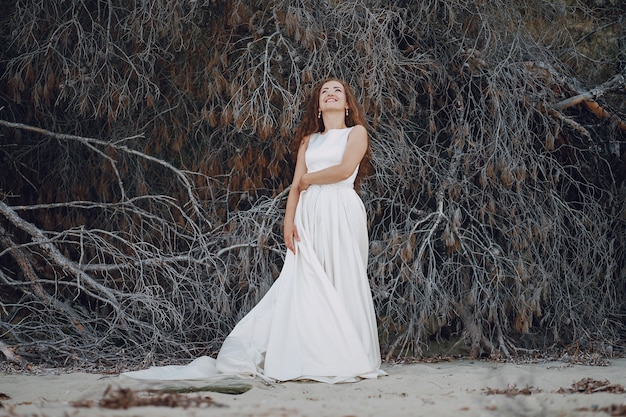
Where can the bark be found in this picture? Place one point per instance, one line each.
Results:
(589, 100)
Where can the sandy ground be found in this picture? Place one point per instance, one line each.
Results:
(457, 388)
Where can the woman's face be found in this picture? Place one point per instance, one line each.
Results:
(332, 97)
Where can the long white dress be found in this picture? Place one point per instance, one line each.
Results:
(317, 321)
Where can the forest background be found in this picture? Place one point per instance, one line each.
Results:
(145, 160)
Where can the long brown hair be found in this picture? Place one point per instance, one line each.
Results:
(312, 124)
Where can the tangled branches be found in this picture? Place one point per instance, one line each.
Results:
(512, 232)
(120, 292)
(108, 54)
(146, 161)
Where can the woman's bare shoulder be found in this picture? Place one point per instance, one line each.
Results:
(358, 130)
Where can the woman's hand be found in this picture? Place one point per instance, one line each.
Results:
(303, 184)
(291, 236)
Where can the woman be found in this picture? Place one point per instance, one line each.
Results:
(317, 321)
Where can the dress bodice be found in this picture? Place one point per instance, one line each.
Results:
(327, 150)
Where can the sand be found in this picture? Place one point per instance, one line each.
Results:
(457, 388)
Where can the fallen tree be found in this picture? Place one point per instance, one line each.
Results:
(144, 174)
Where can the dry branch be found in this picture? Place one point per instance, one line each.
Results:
(589, 100)
(65, 264)
(10, 355)
(180, 175)
(614, 84)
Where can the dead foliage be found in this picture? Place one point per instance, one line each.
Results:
(124, 398)
(585, 358)
(511, 391)
(584, 386)
(615, 410)
(592, 386)
(3, 397)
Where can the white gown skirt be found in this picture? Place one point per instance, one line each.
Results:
(317, 321)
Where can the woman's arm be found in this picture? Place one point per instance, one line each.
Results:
(355, 150)
(289, 228)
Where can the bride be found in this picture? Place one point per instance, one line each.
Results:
(317, 320)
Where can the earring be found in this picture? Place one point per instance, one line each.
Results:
(346, 112)
(319, 115)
